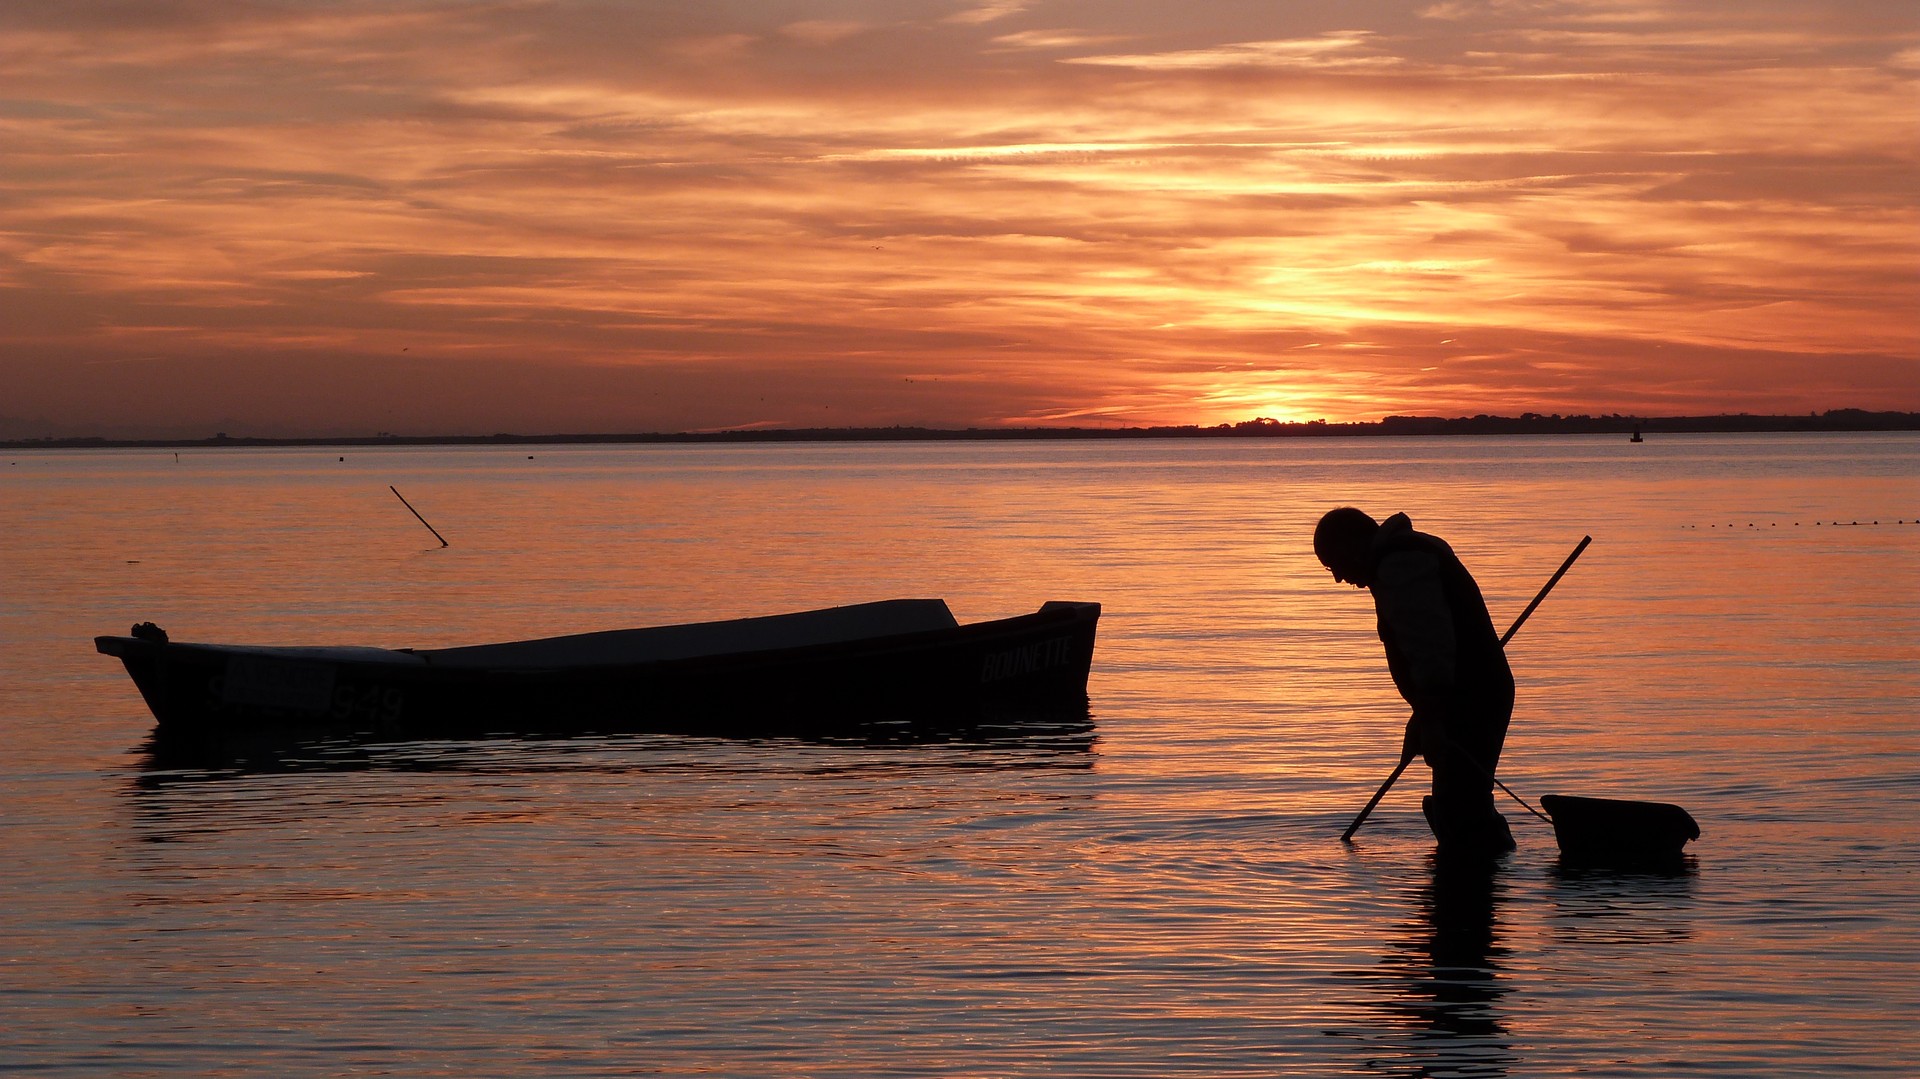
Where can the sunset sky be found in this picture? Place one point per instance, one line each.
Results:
(306, 218)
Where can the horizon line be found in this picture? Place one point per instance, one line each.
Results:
(1832, 420)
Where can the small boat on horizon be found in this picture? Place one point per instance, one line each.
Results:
(860, 670)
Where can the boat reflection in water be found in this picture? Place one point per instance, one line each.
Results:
(1002, 740)
(251, 804)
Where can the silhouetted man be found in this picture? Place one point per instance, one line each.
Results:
(1445, 658)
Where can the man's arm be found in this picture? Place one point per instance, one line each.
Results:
(1415, 618)
(1413, 612)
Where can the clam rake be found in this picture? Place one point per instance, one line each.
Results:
(1605, 831)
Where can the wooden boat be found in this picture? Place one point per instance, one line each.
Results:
(854, 670)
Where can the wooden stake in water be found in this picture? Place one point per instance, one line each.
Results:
(416, 513)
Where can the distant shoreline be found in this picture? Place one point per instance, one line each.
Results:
(1835, 420)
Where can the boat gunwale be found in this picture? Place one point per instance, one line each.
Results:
(128, 648)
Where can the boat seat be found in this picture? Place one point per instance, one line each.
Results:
(861, 621)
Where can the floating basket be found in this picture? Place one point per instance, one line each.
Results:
(1615, 832)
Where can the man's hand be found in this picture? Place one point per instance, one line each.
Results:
(1426, 736)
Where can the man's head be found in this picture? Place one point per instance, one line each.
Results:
(1343, 541)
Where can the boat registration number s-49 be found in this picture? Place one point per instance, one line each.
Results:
(264, 682)
(310, 688)
(1027, 659)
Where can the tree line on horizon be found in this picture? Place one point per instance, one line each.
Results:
(1840, 419)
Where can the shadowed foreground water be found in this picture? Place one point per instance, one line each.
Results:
(1158, 892)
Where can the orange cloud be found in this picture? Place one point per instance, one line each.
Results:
(636, 218)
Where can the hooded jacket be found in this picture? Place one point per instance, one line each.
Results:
(1442, 650)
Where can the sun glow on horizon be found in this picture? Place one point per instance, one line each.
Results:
(620, 219)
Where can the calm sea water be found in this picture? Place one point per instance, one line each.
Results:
(1163, 896)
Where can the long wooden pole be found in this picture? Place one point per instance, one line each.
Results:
(423, 520)
(1347, 836)
(1544, 589)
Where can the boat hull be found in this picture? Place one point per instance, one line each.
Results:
(1031, 665)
